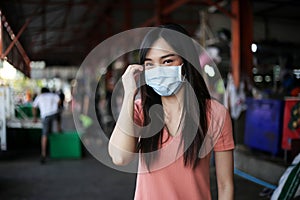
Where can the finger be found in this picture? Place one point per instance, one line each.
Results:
(135, 68)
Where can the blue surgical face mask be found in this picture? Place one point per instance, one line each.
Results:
(165, 80)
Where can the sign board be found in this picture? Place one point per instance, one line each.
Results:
(291, 122)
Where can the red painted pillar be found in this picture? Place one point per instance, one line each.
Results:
(242, 38)
(247, 39)
(235, 42)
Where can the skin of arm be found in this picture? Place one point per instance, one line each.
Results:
(122, 144)
(34, 114)
(59, 103)
(224, 173)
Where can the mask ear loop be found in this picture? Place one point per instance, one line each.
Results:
(182, 77)
(141, 80)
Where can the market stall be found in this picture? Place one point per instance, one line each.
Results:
(14, 116)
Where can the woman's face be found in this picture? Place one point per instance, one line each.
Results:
(161, 54)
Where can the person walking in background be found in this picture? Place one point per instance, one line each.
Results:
(174, 159)
(60, 109)
(48, 104)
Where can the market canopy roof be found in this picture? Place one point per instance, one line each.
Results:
(63, 32)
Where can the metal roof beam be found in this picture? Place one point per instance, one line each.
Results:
(221, 9)
(15, 42)
(166, 11)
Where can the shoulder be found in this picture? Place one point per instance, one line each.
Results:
(138, 112)
(216, 108)
(218, 115)
(52, 95)
(138, 102)
(40, 97)
(138, 107)
(220, 127)
(215, 103)
(56, 95)
(36, 100)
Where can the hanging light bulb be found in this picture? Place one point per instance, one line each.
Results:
(253, 47)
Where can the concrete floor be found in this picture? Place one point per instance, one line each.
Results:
(22, 177)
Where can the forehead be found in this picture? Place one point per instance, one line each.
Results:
(160, 47)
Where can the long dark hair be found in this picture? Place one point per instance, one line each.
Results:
(183, 45)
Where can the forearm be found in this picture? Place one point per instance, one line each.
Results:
(224, 172)
(34, 113)
(122, 144)
(226, 192)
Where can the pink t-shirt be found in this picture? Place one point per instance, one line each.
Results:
(168, 177)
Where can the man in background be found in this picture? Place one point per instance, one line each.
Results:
(48, 103)
(60, 109)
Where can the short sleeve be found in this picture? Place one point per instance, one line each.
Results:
(138, 113)
(225, 140)
(36, 102)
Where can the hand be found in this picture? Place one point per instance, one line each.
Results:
(130, 78)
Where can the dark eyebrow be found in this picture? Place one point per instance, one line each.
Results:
(165, 56)
(168, 55)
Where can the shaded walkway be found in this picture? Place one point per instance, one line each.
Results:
(23, 178)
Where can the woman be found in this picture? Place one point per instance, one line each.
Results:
(174, 125)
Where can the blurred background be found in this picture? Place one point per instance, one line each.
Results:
(253, 44)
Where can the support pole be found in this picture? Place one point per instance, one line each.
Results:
(242, 38)
(247, 39)
(236, 42)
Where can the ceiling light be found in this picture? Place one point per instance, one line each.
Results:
(253, 47)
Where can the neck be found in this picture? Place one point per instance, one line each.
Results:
(173, 110)
(174, 102)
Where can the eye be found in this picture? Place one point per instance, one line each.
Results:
(148, 64)
(168, 61)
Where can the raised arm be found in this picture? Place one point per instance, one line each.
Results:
(122, 144)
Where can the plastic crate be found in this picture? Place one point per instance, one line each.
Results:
(263, 126)
(65, 145)
(25, 111)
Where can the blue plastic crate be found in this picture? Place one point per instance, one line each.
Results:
(263, 126)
